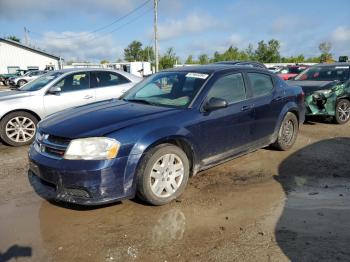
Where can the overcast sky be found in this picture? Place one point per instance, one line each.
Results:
(89, 30)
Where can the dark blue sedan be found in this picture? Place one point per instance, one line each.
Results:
(168, 127)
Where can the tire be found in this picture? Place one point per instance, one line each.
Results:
(18, 128)
(342, 111)
(287, 133)
(7, 82)
(162, 186)
(21, 83)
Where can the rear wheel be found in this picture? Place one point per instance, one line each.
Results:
(288, 132)
(342, 111)
(163, 174)
(18, 128)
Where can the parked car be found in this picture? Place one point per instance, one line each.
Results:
(243, 63)
(274, 69)
(27, 77)
(327, 90)
(21, 109)
(4, 78)
(166, 128)
(289, 72)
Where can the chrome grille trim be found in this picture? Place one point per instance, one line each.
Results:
(47, 147)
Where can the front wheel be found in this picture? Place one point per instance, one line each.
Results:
(18, 128)
(342, 111)
(21, 82)
(163, 174)
(288, 132)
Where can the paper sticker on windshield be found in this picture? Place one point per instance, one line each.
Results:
(197, 75)
(341, 67)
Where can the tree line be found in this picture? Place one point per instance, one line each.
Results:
(265, 52)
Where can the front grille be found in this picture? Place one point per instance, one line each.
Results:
(58, 140)
(52, 146)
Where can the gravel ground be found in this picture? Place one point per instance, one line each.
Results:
(265, 206)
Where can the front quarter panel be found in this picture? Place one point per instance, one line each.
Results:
(32, 103)
(138, 139)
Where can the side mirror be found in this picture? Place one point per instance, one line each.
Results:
(214, 104)
(55, 90)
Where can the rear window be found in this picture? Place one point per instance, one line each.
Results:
(325, 73)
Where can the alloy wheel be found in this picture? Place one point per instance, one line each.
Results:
(166, 175)
(20, 129)
(343, 112)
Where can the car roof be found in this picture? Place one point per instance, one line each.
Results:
(242, 62)
(211, 68)
(90, 69)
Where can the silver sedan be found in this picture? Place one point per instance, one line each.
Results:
(23, 108)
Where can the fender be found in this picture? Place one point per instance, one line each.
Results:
(156, 136)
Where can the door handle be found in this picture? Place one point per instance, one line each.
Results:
(245, 108)
(88, 97)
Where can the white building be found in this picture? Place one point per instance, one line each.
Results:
(14, 55)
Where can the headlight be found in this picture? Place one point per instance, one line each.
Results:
(93, 148)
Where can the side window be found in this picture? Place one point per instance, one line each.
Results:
(110, 79)
(74, 82)
(230, 87)
(261, 84)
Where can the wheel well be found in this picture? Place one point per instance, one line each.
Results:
(181, 143)
(23, 110)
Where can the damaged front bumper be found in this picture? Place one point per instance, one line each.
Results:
(79, 182)
(323, 102)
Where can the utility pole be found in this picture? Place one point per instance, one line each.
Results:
(25, 36)
(156, 34)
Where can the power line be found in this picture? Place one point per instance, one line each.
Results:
(120, 27)
(102, 27)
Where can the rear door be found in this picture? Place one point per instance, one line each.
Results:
(268, 99)
(109, 84)
(75, 91)
(227, 131)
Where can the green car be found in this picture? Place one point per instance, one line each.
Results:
(327, 90)
(5, 77)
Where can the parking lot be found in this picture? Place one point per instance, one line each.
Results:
(265, 206)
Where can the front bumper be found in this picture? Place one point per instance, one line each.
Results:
(320, 105)
(78, 181)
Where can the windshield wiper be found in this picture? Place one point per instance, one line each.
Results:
(142, 101)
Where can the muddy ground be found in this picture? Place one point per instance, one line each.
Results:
(265, 206)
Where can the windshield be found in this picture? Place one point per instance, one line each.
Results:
(40, 82)
(172, 89)
(325, 73)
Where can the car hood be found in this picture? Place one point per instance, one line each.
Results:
(13, 94)
(312, 86)
(100, 118)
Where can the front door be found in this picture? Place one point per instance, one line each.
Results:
(226, 131)
(75, 91)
